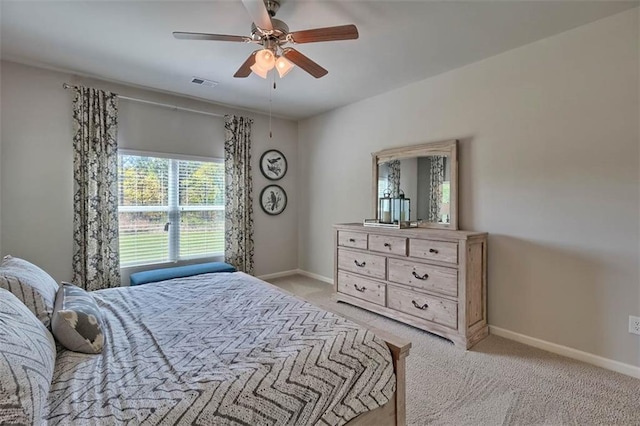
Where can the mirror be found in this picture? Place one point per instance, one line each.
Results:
(424, 177)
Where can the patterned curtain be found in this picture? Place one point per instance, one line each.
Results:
(436, 174)
(96, 261)
(238, 213)
(394, 178)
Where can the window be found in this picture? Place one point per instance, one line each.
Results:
(169, 208)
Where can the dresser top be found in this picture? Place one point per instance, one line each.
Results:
(411, 232)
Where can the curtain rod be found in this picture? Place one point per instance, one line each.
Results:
(144, 101)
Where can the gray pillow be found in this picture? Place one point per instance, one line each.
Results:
(33, 286)
(27, 359)
(77, 320)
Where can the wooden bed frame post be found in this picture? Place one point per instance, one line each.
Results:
(399, 351)
(399, 365)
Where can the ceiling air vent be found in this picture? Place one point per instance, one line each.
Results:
(204, 82)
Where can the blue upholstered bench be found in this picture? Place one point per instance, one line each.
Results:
(154, 275)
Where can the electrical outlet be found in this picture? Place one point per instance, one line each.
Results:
(634, 325)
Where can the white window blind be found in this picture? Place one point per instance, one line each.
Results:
(201, 205)
(170, 209)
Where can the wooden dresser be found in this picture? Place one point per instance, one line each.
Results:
(432, 279)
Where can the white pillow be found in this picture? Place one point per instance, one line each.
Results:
(33, 286)
(27, 359)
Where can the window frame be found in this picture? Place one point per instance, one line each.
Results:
(173, 209)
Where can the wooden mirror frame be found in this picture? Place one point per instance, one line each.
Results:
(448, 148)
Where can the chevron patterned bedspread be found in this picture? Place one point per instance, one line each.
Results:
(220, 349)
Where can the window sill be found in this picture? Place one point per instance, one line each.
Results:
(187, 261)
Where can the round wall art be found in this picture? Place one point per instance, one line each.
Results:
(273, 199)
(273, 164)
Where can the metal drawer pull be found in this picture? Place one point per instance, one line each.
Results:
(359, 265)
(360, 289)
(423, 277)
(352, 240)
(434, 251)
(423, 307)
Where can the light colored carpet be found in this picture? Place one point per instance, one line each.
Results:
(498, 381)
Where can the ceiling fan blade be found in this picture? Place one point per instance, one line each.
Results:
(258, 12)
(203, 36)
(303, 62)
(342, 32)
(245, 69)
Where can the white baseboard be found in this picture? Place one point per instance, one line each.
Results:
(609, 364)
(278, 275)
(315, 276)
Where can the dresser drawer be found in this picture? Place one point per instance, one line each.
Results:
(433, 250)
(419, 305)
(362, 263)
(362, 288)
(387, 244)
(427, 277)
(352, 239)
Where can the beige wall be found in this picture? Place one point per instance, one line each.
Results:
(36, 169)
(549, 157)
(1, 163)
(36, 184)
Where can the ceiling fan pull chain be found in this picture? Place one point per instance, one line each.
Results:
(271, 103)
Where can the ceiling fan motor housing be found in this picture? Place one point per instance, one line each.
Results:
(279, 32)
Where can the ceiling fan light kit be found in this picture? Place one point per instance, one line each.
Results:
(267, 60)
(272, 35)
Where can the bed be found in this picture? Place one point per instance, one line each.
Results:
(226, 348)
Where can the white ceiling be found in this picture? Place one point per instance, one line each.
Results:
(400, 42)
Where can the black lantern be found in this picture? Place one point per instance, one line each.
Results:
(400, 208)
(394, 209)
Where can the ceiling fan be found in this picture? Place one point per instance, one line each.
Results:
(273, 34)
